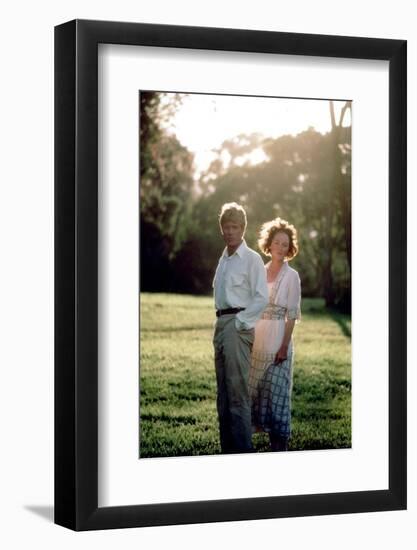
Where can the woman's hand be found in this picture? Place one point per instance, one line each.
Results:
(281, 354)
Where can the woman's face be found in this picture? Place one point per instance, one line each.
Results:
(280, 246)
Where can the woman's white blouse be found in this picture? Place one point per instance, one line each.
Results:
(284, 304)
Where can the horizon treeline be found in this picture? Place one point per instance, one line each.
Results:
(305, 179)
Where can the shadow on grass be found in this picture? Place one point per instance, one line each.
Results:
(316, 308)
(342, 322)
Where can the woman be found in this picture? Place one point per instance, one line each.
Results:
(270, 377)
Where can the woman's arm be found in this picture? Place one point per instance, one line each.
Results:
(293, 315)
(283, 350)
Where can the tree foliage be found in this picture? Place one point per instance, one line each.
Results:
(305, 179)
(166, 189)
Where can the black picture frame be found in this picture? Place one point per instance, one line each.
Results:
(76, 274)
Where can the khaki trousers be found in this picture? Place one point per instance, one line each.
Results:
(232, 350)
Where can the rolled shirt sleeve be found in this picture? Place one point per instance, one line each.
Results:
(294, 298)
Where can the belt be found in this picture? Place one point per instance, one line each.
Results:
(228, 311)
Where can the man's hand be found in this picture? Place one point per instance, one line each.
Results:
(281, 354)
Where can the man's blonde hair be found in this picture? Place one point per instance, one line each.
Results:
(233, 212)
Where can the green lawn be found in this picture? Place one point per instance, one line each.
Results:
(178, 387)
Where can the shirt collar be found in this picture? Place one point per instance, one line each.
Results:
(282, 271)
(241, 250)
(284, 265)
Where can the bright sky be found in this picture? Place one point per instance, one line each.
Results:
(203, 122)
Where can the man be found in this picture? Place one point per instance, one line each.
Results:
(240, 295)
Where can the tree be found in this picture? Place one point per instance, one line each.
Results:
(296, 181)
(165, 190)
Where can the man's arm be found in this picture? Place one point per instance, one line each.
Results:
(259, 290)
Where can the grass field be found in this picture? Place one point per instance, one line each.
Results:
(178, 388)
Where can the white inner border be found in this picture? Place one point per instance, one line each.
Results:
(123, 479)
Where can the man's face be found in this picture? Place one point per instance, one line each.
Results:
(232, 234)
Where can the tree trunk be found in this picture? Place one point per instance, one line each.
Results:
(336, 191)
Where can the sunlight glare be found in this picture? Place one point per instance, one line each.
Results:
(203, 122)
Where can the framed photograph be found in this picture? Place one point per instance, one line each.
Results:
(214, 187)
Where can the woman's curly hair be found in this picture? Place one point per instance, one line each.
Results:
(268, 232)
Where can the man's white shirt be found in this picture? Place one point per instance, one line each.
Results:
(240, 281)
